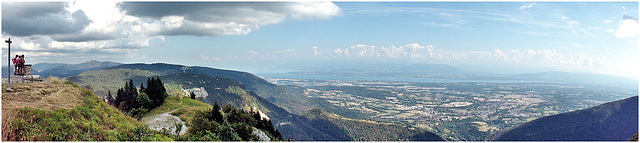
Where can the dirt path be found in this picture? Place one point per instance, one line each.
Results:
(167, 121)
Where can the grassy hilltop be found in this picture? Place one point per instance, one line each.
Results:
(57, 110)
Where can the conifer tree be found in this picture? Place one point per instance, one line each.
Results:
(126, 97)
(156, 91)
(216, 115)
(141, 87)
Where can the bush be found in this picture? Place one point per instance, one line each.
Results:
(232, 124)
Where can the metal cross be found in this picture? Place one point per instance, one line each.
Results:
(9, 64)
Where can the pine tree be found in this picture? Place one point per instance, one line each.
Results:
(216, 115)
(141, 87)
(126, 97)
(277, 135)
(156, 91)
(227, 133)
(160, 85)
(110, 100)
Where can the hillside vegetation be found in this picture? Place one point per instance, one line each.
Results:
(66, 70)
(103, 81)
(365, 130)
(271, 92)
(613, 121)
(56, 110)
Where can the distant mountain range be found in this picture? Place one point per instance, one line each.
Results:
(62, 70)
(613, 121)
(66, 70)
(559, 76)
(441, 71)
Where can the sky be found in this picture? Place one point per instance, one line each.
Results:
(258, 37)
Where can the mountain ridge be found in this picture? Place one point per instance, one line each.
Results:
(612, 121)
(66, 70)
(261, 87)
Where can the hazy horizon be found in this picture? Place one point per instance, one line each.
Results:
(259, 37)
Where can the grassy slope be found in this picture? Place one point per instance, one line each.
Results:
(58, 110)
(187, 107)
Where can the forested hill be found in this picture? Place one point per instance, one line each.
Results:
(613, 121)
(227, 91)
(346, 129)
(66, 70)
(271, 92)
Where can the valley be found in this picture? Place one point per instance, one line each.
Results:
(454, 110)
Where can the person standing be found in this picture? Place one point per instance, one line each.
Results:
(15, 64)
(21, 64)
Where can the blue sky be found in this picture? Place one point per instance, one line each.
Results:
(511, 37)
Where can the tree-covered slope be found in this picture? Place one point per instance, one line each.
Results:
(347, 129)
(226, 91)
(223, 90)
(613, 121)
(102, 81)
(271, 92)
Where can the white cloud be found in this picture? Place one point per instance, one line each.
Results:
(569, 21)
(607, 21)
(314, 10)
(253, 52)
(628, 28)
(233, 18)
(526, 6)
(412, 50)
(419, 52)
(545, 57)
(207, 58)
(96, 28)
(315, 51)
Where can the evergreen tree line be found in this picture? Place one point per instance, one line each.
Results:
(137, 102)
(230, 124)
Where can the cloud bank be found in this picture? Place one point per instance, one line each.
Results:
(414, 52)
(106, 27)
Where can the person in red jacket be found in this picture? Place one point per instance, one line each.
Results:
(15, 64)
(21, 65)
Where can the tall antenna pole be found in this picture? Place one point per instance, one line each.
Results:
(9, 63)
